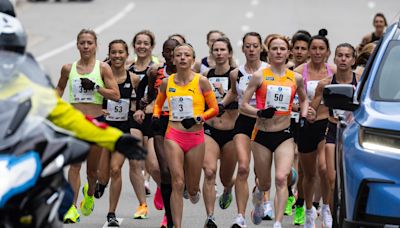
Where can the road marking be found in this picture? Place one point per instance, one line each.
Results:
(245, 28)
(98, 30)
(254, 2)
(371, 4)
(249, 14)
(119, 221)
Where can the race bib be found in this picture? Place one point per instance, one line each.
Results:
(182, 107)
(118, 111)
(311, 87)
(295, 116)
(338, 112)
(80, 94)
(165, 107)
(216, 81)
(278, 97)
(243, 83)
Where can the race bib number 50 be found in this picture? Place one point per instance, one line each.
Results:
(182, 107)
(278, 97)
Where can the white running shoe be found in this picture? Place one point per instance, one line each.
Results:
(311, 215)
(239, 222)
(267, 210)
(277, 225)
(195, 199)
(326, 216)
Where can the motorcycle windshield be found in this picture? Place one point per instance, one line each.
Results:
(26, 97)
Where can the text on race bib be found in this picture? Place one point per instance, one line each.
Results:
(278, 97)
(118, 111)
(219, 82)
(79, 93)
(338, 112)
(182, 107)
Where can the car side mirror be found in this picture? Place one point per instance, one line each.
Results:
(339, 96)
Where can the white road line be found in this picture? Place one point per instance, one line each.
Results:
(119, 221)
(98, 30)
(371, 4)
(249, 14)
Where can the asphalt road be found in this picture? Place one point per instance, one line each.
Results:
(52, 28)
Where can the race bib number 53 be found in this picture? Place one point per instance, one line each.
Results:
(182, 107)
(278, 97)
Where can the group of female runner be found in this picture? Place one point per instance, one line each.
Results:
(193, 116)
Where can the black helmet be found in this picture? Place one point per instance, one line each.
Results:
(12, 35)
(7, 7)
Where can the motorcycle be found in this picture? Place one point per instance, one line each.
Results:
(33, 151)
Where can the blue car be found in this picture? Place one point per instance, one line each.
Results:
(368, 141)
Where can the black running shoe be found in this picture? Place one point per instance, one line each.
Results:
(112, 220)
(99, 190)
(210, 222)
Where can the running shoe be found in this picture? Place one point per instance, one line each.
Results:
(210, 222)
(112, 220)
(258, 212)
(299, 215)
(225, 199)
(311, 216)
(239, 222)
(277, 225)
(185, 193)
(164, 222)
(141, 212)
(267, 210)
(289, 203)
(99, 190)
(158, 200)
(326, 216)
(87, 204)
(72, 215)
(195, 199)
(147, 188)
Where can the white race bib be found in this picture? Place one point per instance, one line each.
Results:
(141, 76)
(311, 87)
(224, 81)
(80, 94)
(295, 116)
(182, 107)
(278, 97)
(165, 107)
(243, 83)
(118, 111)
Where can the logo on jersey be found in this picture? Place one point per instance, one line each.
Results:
(191, 90)
(279, 89)
(269, 78)
(172, 90)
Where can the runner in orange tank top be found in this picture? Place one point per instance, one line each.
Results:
(275, 88)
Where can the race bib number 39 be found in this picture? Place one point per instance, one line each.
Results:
(80, 94)
(278, 97)
(182, 107)
(118, 111)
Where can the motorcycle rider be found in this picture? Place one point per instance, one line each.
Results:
(44, 97)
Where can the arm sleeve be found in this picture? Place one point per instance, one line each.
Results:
(212, 104)
(159, 103)
(67, 117)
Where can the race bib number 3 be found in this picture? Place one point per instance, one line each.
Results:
(118, 111)
(79, 93)
(278, 97)
(182, 107)
(217, 82)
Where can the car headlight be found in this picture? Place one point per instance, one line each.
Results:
(380, 140)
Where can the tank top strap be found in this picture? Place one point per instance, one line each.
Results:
(328, 69)
(305, 73)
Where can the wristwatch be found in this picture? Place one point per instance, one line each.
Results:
(198, 119)
(96, 87)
